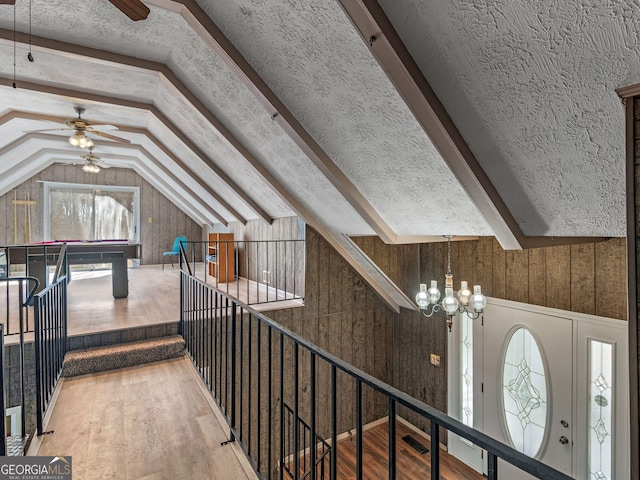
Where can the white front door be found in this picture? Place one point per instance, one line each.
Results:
(528, 385)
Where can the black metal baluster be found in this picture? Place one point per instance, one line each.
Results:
(334, 423)
(233, 364)
(435, 450)
(249, 393)
(312, 408)
(392, 439)
(296, 414)
(282, 451)
(258, 394)
(241, 383)
(269, 399)
(492, 466)
(358, 429)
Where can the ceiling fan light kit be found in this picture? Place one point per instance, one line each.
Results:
(79, 139)
(90, 168)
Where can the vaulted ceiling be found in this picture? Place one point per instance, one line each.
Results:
(408, 120)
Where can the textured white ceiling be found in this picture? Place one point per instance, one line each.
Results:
(531, 86)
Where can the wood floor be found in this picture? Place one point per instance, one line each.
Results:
(410, 464)
(154, 298)
(150, 422)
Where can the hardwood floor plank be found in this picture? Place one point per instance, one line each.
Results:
(147, 422)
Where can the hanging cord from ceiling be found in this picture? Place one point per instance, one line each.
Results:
(14, 45)
(29, 56)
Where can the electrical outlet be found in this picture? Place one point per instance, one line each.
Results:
(266, 277)
(435, 359)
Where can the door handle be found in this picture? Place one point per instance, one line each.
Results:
(564, 440)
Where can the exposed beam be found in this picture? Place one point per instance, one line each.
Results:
(73, 154)
(387, 290)
(156, 113)
(172, 80)
(213, 36)
(134, 9)
(16, 114)
(388, 49)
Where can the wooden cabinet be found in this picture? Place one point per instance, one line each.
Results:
(222, 252)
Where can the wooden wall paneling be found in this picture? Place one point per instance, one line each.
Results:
(407, 271)
(6, 237)
(312, 265)
(346, 384)
(378, 360)
(336, 289)
(152, 243)
(536, 276)
(324, 280)
(558, 277)
(323, 372)
(359, 344)
(109, 176)
(381, 255)
(517, 275)
(583, 279)
(466, 265)
(147, 232)
(498, 287)
(161, 210)
(611, 287)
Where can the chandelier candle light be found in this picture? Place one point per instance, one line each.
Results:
(427, 299)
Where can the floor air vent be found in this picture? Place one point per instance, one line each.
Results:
(415, 444)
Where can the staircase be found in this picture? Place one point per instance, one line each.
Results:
(111, 357)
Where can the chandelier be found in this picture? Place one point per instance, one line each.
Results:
(463, 302)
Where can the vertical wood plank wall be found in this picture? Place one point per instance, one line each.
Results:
(168, 221)
(344, 316)
(252, 259)
(587, 278)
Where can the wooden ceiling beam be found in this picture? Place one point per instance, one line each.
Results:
(67, 149)
(173, 81)
(394, 58)
(213, 36)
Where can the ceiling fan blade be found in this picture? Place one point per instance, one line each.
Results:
(108, 135)
(134, 9)
(48, 129)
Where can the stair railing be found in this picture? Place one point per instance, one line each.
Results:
(256, 369)
(50, 336)
(26, 288)
(270, 270)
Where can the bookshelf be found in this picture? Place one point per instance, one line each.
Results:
(222, 249)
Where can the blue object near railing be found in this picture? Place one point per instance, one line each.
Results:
(251, 364)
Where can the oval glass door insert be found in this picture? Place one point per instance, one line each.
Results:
(524, 393)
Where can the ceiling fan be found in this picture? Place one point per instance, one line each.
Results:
(82, 127)
(92, 163)
(134, 9)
